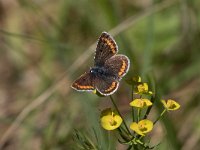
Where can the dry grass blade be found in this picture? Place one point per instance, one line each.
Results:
(44, 96)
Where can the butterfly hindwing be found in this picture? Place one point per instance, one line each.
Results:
(84, 83)
(106, 48)
(106, 86)
(118, 65)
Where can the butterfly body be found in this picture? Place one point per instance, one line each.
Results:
(109, 68)
(102, 72)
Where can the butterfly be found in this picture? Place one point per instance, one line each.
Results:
(109, 68)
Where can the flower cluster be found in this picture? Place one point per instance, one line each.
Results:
(111, 119)
(141, 89)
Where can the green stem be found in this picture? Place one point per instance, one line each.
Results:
(149, 108)
(138, 114)
(160, 116)
(109, 138)
(119, 114)
(123, 134)
(133, 115)
(124, 130)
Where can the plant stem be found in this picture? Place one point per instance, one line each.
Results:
(109, 138)
(138, 114)
(132, 108)
(150, 107)
(160, 116)
(119, 114)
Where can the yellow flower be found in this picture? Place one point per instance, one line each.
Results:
(142, 127)
(110, 120)
(141, 103)
(142, 88)
(170, 104)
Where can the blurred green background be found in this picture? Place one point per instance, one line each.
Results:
(46, 44)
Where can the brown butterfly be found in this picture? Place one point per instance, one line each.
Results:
(109, 68)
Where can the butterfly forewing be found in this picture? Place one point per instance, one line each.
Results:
(118, 65)
(84, 83)
(106, 48)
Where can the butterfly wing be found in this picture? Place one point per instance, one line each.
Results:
(106, 86)
(117, 66)
(106, 48)
(84, 83)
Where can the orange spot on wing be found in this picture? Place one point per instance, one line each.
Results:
(84, 87)
(123, 68)
(111, 44)
(113, 86)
